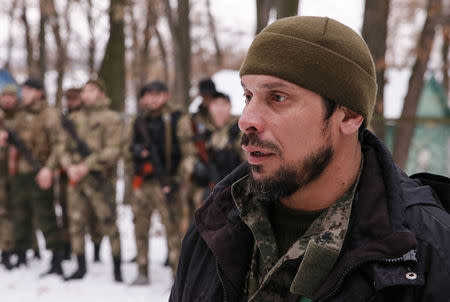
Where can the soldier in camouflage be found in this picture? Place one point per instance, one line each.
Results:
(92, 189)
(8, 103)
(164, 154)
(73, 104)
(39, 126)
(202, 126)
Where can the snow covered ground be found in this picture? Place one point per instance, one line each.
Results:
(24, 284)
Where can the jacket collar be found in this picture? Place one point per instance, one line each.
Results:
(378, 228)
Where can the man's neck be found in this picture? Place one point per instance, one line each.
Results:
(337, 178)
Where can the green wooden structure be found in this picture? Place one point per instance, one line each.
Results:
(429, 150)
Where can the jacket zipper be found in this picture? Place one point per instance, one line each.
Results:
(408, 257)
(225, 292)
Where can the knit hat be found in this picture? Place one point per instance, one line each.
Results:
(319, 54)
(33, 83)
(153, 87)
(97, 82)
(10, 89)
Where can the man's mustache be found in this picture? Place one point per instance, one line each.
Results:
(253, 140)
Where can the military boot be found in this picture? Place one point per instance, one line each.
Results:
(55, 264)
(81, 271)
(142, 277)
(6, 261)
(117, 269)
(21, 258)
(36, 254)
(67, 251)
(96, 252)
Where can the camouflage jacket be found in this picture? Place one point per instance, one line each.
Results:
(394, 250)
(297, 270)
(6, 117)
(39, 126)
(101, 130)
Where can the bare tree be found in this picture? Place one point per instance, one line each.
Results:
(42, 58)
(445, 58)
(263, 8)
(112, 69)
(91, 47)
(212, 30)
(31, 63)
(286, 8)
(61, 43)
(405, 127)
(9, 43)
(374, 32)
(180, 29)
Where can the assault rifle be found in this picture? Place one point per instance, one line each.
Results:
(15, 140)
(152, 164)
(82, 147)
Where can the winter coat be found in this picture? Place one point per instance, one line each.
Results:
(396, 248)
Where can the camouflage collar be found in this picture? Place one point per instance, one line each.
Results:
(37, 106)
(317, 249)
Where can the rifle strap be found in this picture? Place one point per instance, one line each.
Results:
(168, 140)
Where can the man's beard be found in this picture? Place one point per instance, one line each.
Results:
(289, 178)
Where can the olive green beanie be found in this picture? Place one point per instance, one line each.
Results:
(319, 54)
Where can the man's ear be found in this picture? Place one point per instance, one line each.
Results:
(351, 121)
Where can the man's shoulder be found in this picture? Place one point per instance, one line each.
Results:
(426, 215)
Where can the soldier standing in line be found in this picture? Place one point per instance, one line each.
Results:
(92, 175)
(74, 104)
(224, 142)
(39, 126)
(8, 103)
(202, 126)
(164, 155)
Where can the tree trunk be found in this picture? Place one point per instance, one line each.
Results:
(31, 65)
(112, 69)
(406, 125)
(42, 59)
(263, 8)
(212, 30)
(91, 47)
(180, 30)
(445, 58)
(374, 32)
(61, 46)
(163, 52)
(287, 8)
(9, 43)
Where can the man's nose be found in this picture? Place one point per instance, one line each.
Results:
(252, 118)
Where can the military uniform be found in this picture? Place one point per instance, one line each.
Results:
(202, 126)
(101, 129)
(39, 126)
(171, 134)
(6, 223)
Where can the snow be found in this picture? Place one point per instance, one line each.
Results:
(24, 284)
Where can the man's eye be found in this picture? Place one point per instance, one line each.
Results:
(247, 97)
(279, 98)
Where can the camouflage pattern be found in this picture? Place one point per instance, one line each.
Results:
(40, 128)
(101, 129)
(6, 224)
(175, 212)
(128, 165)
(307, 263)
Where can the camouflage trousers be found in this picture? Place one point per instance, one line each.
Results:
(93, 226)
(147, 199)
(93, 198)
(6, 223)
(33, 207)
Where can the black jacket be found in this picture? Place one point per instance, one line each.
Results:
(397, 247)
